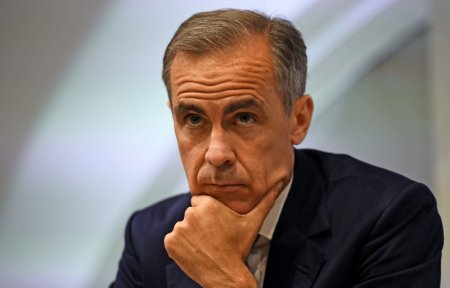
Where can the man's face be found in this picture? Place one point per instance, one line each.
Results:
(234, 135)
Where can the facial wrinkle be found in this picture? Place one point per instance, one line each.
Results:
(220, 89)
(216, 89)
(252, 77)
(225, 94)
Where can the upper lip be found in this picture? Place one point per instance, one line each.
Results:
(224, 184)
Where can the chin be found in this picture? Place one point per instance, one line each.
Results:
(240, 207)
(237, 197)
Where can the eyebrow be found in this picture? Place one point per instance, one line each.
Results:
(232, 107)
(247, 103)
(183, 107)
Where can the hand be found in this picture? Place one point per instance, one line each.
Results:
(212, 242)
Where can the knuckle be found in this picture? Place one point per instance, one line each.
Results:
(179, 228)
(210, 203)
(176, 227)
(189, 213)
(168, 241)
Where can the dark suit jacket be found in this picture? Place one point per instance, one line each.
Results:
(344, 224)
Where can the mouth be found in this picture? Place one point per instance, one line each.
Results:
(223, 187)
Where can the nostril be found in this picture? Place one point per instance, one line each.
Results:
(219, 156)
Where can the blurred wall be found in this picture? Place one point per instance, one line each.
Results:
(86, 138)
(439, 96)
(384, 118)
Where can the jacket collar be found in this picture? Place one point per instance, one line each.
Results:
(294, 258)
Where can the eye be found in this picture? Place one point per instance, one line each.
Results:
(193, 120)
(245, 119)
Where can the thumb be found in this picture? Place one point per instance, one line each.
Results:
(266, 203)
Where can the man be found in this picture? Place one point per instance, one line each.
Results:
(260, 213)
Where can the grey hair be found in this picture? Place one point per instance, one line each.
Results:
(219, 30)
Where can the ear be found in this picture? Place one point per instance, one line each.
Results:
(301, 115)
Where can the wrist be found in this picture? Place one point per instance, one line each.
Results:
(249, 281)
(245, 279)
(240, 277)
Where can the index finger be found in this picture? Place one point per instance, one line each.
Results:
(266, 203)
(196, 200)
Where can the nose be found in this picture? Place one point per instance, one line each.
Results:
(220, 152)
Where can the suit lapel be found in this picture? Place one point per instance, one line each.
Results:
(176, 278)
(295, 260)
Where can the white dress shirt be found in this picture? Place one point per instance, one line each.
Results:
(257, 258)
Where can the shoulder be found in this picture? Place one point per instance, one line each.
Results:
(342, 166)
(381, 222)
(361, 198)
(159, 218)
(359, 182)
(144, 257)
(147, 227)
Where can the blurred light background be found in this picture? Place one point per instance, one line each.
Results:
(86, 137)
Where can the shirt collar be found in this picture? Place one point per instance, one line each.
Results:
(269, 224)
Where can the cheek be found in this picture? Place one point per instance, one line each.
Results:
(274, 159)
(192, 158)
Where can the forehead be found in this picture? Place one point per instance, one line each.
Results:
(246, 68)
